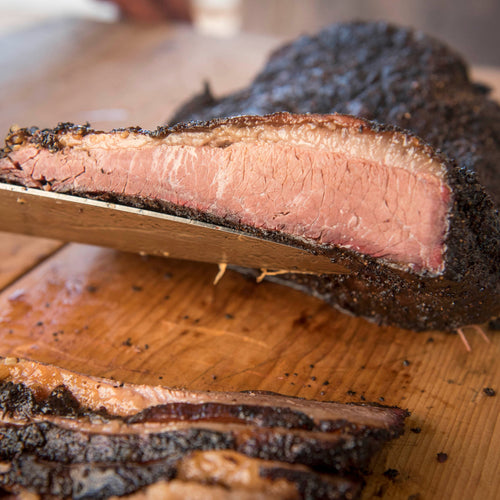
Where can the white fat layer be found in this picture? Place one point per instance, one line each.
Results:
(342, 135)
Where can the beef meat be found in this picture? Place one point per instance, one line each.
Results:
(415, 220)
(67, 435)
(399, 77)
(419, 236)
(383, 73)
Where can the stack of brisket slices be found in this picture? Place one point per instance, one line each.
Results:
(410, 206)
(65, 435)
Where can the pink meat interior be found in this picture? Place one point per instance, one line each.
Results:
(324, 197)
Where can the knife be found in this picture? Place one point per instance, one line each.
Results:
(72, 218)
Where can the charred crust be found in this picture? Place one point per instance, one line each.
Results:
(18, 400)
(262, 416)
(312, 486)
(51, 442)
(82, 481)
(45, 450)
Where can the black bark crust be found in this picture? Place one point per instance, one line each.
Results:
(48, 453)
(344, 487)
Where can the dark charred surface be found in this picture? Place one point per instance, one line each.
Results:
(53, 443)
(83, 481)
(19, 400)
(48, 453)
(316, 487)
(262, 416)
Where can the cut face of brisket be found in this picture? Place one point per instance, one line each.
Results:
(417, 229)
(329, 181)
(69, 441)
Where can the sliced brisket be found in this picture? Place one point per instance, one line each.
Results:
(67, 435)
(417, 227)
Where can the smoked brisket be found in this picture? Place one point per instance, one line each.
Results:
(403, 78)
(409, 207)
(66, 435)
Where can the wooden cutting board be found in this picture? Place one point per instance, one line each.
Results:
(159, 321)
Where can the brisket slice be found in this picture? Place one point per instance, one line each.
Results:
(418, 233)
(67, 435)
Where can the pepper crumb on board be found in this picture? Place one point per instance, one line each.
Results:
(489, 391)
(406, 363)
(326, 382)
(362, 398)
(137, 288)
(287, 374)
(91, 288)
(442, 457)
(313, 378)
(127, 342)
(229, 316)
(381, 398)
(391, 474)
(416, 430)
(311, 366)
(351, 393)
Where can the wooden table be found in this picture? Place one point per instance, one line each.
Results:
(160, 321)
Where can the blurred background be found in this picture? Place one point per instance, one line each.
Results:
(133, 62)
(470, 26)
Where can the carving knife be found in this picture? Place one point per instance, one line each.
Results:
(72, 218)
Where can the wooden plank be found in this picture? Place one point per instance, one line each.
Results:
(19, 253)
(116, 75)
(94, 310)
(160, 321)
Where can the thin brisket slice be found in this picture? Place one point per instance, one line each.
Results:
(67, 435)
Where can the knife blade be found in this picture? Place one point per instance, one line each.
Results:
(72, 218)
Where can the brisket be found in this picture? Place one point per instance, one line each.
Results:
(413, 215)
(399, 77)
(67, 435)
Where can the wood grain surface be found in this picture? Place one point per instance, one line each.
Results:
(161, 321)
